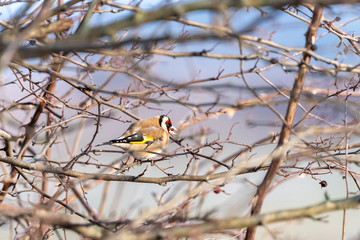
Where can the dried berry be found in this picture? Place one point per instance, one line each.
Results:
(323, 183)
(217, 190)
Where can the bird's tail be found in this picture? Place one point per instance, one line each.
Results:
(104, 143)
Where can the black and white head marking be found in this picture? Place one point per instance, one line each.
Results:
(165, 123)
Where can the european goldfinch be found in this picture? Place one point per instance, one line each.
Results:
(145, 138)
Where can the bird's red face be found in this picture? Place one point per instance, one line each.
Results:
(171, 129)
(166, 124)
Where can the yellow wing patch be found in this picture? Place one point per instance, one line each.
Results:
(144, 141)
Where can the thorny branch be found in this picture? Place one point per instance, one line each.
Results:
(289, 118)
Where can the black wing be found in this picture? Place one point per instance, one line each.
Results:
(136, 138)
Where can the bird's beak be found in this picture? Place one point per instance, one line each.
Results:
(172, 131)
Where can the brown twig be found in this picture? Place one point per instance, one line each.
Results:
(289, 118)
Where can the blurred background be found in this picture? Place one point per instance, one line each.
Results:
(223, 74)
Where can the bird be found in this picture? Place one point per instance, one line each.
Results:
(145, 138)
